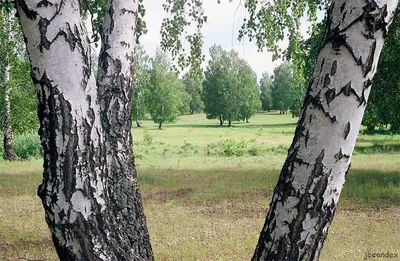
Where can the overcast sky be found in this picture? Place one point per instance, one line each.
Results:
(221, 23)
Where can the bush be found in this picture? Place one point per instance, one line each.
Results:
(188, 149)
(227, 148)
(28, 146)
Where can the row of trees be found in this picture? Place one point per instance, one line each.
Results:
(228, 91)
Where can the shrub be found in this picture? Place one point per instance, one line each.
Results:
(227, 148)
(188, 149)
(28, 146)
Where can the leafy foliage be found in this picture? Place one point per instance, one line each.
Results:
(183, 14)
(194, 89)
(266, 85)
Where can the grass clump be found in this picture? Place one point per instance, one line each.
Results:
(188, 149)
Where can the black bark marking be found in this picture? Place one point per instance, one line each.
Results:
(44, 42)
(340, 155)
(347, 90)
(347, 130)
(330, 95)
(327, 80)
(316, 102)
(342, 7)
(44, 3)
(124, 10)
(367, 66)
(334, 68)
(307, 137)
(31, 14)
(344, 16)
(125, 44)
(111, 13)
(322, 65)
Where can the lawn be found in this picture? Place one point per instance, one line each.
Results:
(206, 191)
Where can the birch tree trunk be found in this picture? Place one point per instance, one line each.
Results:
(90, 191)
(9, 152)
(313, 175)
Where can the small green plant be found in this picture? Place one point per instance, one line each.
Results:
(188, 149)
(165, 151)
(147, 138)
(253, 151)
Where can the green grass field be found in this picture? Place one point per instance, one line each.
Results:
(206, 191)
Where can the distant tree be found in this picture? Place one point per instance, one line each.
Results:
(215, 84)
(283, 91)
(140, 83)
(164, 92)
(249, 97)
(230, 90)
(193, 89)
(266, 85)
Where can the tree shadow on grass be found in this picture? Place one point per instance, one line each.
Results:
(368, 187)
(373, 185)
(235, 126)
(377, 148)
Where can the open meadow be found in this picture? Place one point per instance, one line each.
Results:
(206, 191)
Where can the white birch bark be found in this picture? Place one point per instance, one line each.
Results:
(8, 141)
(93, 211)
(313, 175)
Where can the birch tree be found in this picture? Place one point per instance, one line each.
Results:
(7, 46)
(90, 190)
(312, 178)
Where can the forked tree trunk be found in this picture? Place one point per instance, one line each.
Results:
(313, 175)
(8, 141)
(90, 191)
